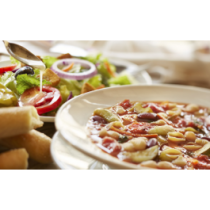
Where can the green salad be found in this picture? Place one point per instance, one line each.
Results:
(20, 83)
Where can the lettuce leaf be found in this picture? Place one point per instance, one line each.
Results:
(8, 80)
(36, 73)
(104, 73)
(65, 86)
(124, 78)
(49, 61)
(120, 80)
(22, 83)
(64, 93)
(94, 58)
(25, 82)
(14, 61)
(94, 81)
(101, 67)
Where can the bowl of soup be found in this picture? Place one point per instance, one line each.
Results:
(140, 126)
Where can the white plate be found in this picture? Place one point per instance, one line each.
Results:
(67, 157)
(142, 76)
(72, 117)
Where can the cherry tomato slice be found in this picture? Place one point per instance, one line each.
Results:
(7, 68)
(45, 101)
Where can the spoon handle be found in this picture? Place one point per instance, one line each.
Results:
(3, 54)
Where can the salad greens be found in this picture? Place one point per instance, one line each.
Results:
(14, 61)
(49, 60)
(120, 80)
(105, 77)
(66, 86)
(95, 81)
(23, 81)
(8, 80)
(100, 63)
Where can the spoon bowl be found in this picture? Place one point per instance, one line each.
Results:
(25, 56)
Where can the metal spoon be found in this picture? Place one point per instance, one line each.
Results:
(25, 56)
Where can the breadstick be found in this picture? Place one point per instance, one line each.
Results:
(18, 120)
(14, 159)
(36, 144)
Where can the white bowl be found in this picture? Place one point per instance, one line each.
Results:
(73, 116)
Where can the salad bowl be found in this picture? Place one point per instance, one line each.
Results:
(72, 118)
(141, 76)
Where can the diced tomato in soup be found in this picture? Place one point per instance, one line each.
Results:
(111, 145)
(140, 128)
(125, 104)
(155, 108)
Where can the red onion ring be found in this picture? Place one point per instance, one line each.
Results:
(75, 76)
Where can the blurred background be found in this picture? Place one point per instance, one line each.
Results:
(171, 62)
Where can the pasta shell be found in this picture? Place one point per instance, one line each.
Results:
(169, 154)
(192, 147)
(180, 161)
(176, 137)
(161, 130)
(106, 114)
(140, 156)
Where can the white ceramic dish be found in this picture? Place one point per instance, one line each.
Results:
(67, 157)
(72, 117)
(142, 76)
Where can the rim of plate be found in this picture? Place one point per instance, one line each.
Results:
(58, 147)
(91, 150)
